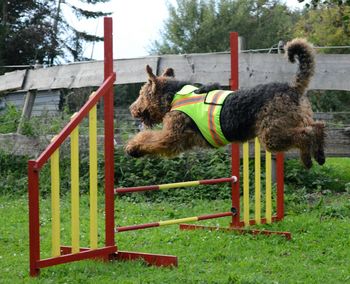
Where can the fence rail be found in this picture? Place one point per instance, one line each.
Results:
(332, 71)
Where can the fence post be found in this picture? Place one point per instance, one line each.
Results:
(34, 225)
(235, 157)
(109, 135)
(27, 109)
(280, 185)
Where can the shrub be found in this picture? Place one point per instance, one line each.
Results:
(318, 178)
(9, 119)
(13, 174)
(194, 165)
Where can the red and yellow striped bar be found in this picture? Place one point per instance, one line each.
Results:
(172, 222)
(122, 190)
(280, 185)
(55, 202)
(93, 174)
(268, 188)
(257, 182)
(75, 188)
(286, 235)
(246, 210)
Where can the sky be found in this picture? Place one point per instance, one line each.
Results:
(133, 29)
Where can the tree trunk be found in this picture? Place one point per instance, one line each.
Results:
(54, 34)
(4, 12)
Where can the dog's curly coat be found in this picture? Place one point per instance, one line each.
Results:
(279, 114)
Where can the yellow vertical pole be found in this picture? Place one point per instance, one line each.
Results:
(75, 188)
(246, 183)
(93, 175)
(55, 202)
(268, 188)
(257, 196)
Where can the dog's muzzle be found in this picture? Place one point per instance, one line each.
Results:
(135, 112)
(143, 116)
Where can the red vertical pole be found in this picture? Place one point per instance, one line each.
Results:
(280, 185)
(235, 159)
(109, 135)
(34, 225)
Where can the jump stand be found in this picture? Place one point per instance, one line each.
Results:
(63, 254)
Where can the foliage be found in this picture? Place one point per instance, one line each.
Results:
(36, 31)
(327, 3)
(204, 26)
(9, 119)
(74, 99)
(68, 37)
(35, 126)
(330, 101)
(13, 174)
(125, 95)
(330, 178)
(24, 32)
(190, 166)
(326, 27)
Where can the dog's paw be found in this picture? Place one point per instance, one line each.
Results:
(320, 157)
(207, 88)
(133, 151)
(307, 162)
(306, 159)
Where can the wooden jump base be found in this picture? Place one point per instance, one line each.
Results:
(63, 254)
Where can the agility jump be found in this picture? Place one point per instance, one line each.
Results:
(63, 254)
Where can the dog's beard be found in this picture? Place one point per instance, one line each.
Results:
(146, 120)
(146, 125)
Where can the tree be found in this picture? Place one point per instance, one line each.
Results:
(325, 26)
(65, 37)
(24, 32)
(204, 25)
(36, 31)
(330, 3)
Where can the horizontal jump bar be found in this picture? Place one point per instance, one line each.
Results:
(172, 222)
(287, 235)
(121, 190)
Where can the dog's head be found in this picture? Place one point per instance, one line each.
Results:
(153, 102)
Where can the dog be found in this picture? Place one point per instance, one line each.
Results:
(279, 114)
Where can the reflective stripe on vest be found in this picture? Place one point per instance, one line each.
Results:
(204, 109)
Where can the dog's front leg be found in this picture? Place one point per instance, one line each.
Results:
(154, 142)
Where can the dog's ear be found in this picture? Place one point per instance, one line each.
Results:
(169, 72)
(151, 76)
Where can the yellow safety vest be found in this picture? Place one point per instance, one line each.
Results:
(204, 109)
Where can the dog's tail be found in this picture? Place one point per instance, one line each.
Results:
(301, 49)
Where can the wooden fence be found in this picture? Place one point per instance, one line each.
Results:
(332, 73)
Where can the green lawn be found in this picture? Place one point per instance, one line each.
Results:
(342, 165)
(318, 253)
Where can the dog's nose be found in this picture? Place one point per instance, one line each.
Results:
(134, 111)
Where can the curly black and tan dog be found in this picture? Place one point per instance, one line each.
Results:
(279, 114)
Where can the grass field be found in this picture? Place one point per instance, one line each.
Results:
(342, 165)
(318, 253)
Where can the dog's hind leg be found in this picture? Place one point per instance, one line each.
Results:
(277, 140)
(303, 139)
(318, 145)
